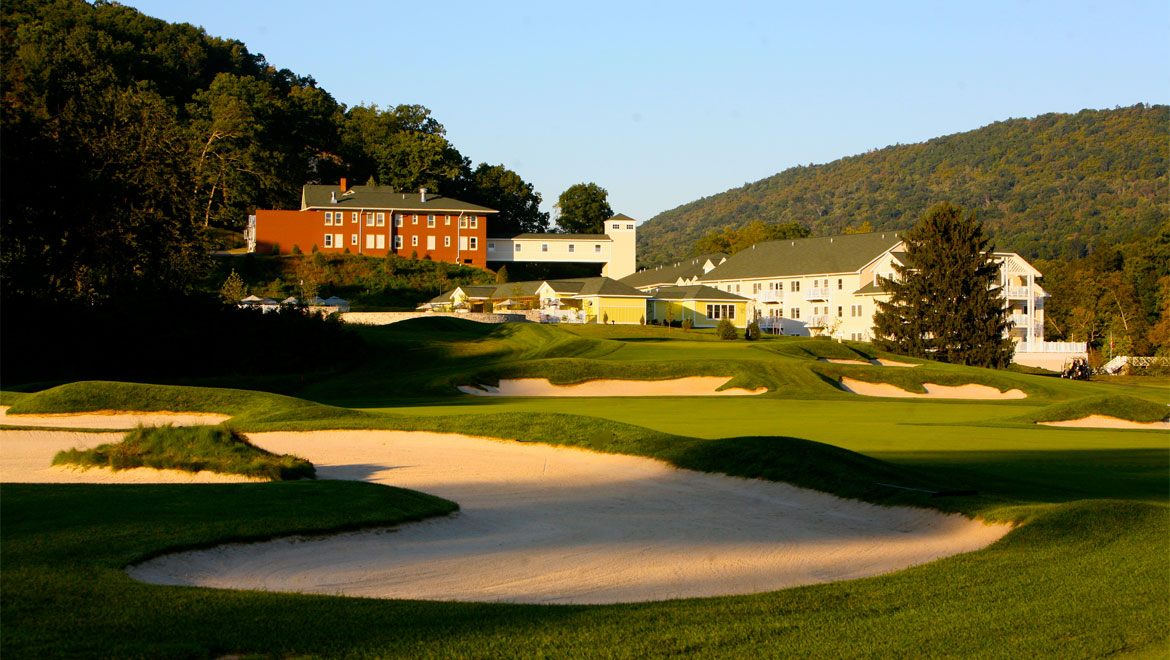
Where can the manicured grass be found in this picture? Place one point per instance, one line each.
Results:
(192, 449)
(1085, 574)
(1119, 406)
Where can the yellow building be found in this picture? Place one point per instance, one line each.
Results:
(703, 306)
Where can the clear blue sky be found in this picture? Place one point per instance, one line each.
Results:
(662, 103)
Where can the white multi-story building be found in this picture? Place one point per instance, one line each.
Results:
(830, 286)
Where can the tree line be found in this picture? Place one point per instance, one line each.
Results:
(126, 137)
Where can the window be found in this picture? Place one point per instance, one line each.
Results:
(472, 243)
(721, 312)
(381, 219)
(397, 242)
(369, 241)
(855, 310)
(491, 247)
(353, 217)
(795, 313)
(430, 242)
(572, 248)
(414, 241)
(517, 247)
(369, 219)
(756, 287)
(447, 220)
(446, 241)
(463, 222)
(381, 242)
(398, 220)
(840, 311)
(475, 222)
(597, 247)
(328, 218)
(795, 288)
(840, 283)
(431, 220)
(328, 240)
(414, 219)
(353, 240)
(629, 226)
(544, 247)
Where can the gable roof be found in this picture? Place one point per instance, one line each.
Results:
(696, 292)
(554, 237)
(667, 275)
(381, 197)
(623, 216)
(805, 256)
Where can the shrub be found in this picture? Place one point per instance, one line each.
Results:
(753, 331)
(296, 249)
(687, 324)
(315, 248)
(605, 317)
(725, 330)
(414, 254)
(276, 249)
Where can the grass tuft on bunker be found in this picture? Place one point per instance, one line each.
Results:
(192, 449)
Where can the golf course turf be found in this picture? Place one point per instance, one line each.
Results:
(1085, 573)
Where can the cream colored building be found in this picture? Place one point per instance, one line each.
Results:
(615, 249)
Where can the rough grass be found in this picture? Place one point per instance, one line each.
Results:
(191, 449)
(1115, 405)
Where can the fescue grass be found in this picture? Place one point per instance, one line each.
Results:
(191, 449)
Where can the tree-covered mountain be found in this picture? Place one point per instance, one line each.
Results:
(1051, 186)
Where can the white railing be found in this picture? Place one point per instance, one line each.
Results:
(563, 316)
(770, 322)
(816, 293)
(818, 321)
(1052, 347)
(770, 295)
(1119, 363)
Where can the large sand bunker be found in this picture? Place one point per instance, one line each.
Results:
(933, 391)
(26, 457)
(876, 362)
(110, 419)
(542, 524)
(1106, 422)
(692, 386)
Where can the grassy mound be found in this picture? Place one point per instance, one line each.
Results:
(1110, 405)
(192, 449)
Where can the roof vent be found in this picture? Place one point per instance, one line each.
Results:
(332, 196)
(422, 195)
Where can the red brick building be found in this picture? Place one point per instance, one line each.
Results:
(376, 221)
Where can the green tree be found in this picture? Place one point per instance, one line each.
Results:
(732, 240)
(725, 329)
(502, 275)
(518, 203)
(583, 209)
(943, 304)
(233, 289)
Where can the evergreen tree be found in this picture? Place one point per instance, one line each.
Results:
(943, 305)
(502, 275)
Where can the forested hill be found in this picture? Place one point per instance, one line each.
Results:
(1051, 186)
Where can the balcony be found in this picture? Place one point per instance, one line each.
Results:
(1014, 292)
(818, 321)
(816, 293)
(770, 296)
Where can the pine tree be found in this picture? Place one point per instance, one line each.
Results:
(233, 289)
(502, 275)
(943, 304)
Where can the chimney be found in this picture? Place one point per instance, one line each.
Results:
(342, 185)
(422, 194)
(332, 196)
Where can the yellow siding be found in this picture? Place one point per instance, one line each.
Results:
(615, 310)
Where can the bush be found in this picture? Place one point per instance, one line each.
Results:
(296, 249)
(276, 249)
(753, 331)
(725, 330)
(687, 324)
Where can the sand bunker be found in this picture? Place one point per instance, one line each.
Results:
(693, 386)
(933, 391)
(877, 362)
(1106, 422)
(542, 524)
(110, 419)
(26, 457)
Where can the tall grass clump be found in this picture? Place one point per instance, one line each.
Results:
(192, 449)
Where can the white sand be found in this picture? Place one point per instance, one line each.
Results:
(693, 386)
(876, 362)
(26, 457)
(110, 419)
(933, 391)
(1106, 422)
(541, 524)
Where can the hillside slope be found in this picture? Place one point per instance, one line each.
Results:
(1048, 186)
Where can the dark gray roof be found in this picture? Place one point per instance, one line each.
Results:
(695, 292)
(382, 197)
(692, 267)
(869, 289)
(623, 216)
(604, 286)
(805, 256)
(586, 286)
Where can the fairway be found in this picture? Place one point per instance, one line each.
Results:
(1082, 574)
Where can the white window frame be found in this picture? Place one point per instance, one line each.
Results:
(544, 247)
(398, 218)
(447, 220)
(597, 248)
(430, 242)
(414, 219)
(463, 222)
(518, 246)
(353, 239)
(414, 241)
(369, 219)
(381, 219)
(572, 248)
(329, 218)
(446, 241)
(328, 240)
(475, 222)
(629, 226)
(398, 242)
(472, 243)
(431, 221)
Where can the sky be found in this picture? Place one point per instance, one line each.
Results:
(663, 103)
